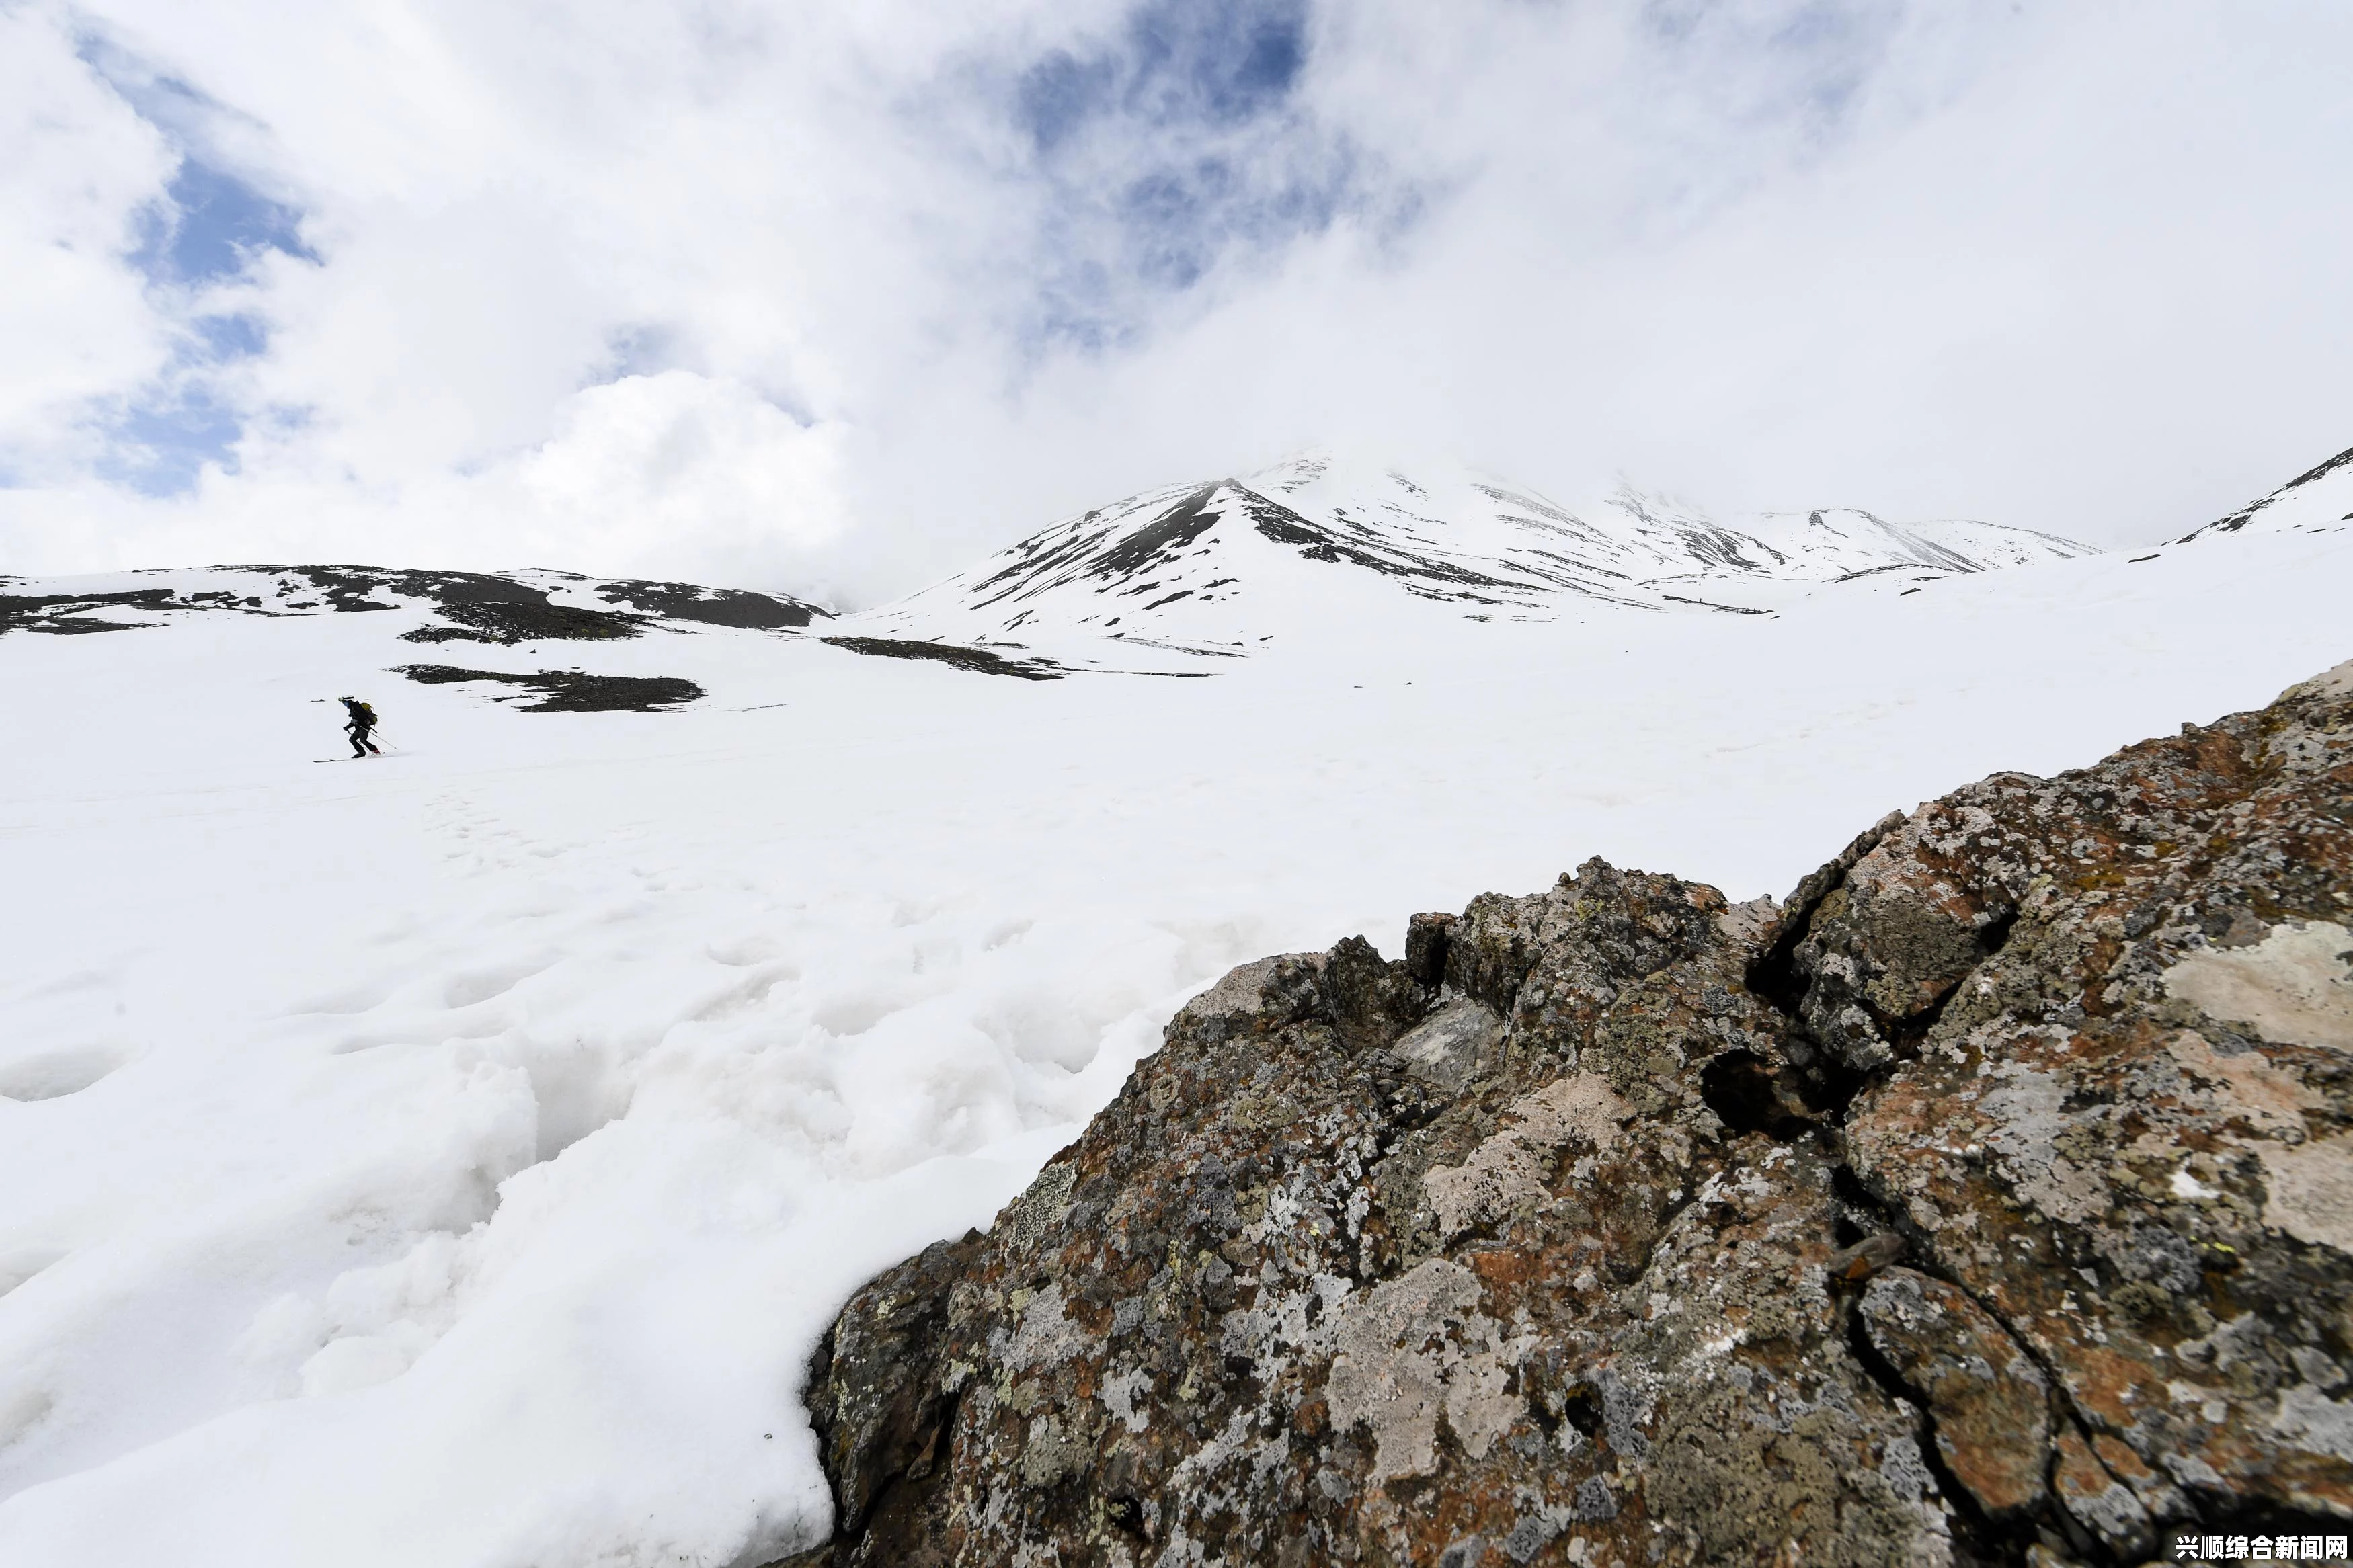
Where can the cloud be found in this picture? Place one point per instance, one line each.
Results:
(844, 294)
(76, 167)
(678, 453)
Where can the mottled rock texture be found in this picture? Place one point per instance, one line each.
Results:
(1990, 1201)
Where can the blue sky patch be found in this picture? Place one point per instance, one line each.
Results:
(161, 445)
(1175, 63)
(207, 228)
(1176, 142)
(231, 337)
(211, 227)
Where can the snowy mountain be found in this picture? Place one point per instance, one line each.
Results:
(474, 607)
(1311, 546)
(2322, 498)
(1839, 543)
(1308, 552)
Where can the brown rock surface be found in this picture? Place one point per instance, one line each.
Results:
(1988, 1205)
(1989, 1403)
(2148, 1193)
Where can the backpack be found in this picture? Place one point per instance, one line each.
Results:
(362, 714)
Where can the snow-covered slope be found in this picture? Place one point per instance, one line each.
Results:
(1312, 547)
(451, 1158)
(2321, 499)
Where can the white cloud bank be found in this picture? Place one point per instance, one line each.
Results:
(682, 454)
(831, 298)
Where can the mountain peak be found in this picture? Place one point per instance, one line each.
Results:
(1319, 545)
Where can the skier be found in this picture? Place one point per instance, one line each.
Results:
(362, 720)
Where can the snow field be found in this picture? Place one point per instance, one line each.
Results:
(451, 1160)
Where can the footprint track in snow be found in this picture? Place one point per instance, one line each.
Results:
(53, 1075)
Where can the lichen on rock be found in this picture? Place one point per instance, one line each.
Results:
(1982, 1203)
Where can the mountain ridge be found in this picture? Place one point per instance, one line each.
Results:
(534, 602)
(1154, 564)
(1461, 540)
(2321, 497)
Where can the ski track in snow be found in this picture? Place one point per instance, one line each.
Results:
(453, 1159)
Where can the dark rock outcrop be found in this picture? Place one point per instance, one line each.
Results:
(525, 620)
(1990, 1201)
(63, 613)
(712, 606)
(980, 661)
(570, 690)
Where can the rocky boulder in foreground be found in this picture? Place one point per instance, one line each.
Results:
(1990, 1202)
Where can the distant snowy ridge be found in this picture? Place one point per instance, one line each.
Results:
(2322, 498)
(480, 607)
(1311, 550)
(1232, 564)
(1837, 543)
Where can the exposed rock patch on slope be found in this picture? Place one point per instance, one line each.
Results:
(571, 690)
(524, 620)
(712, 606)
(1982, 1204)
(68, 614)
(980, 661)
